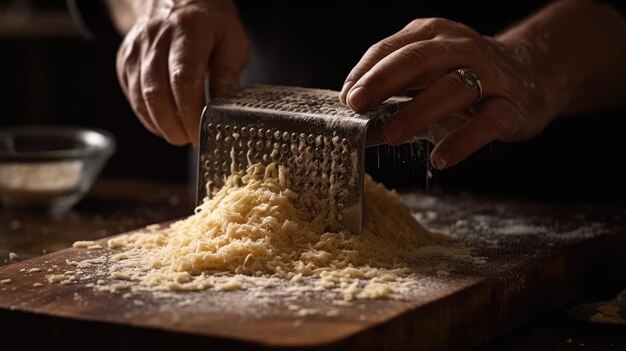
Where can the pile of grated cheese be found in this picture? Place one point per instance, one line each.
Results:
(254, 227)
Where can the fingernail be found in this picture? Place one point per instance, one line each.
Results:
(344, 91)
(392, 132)
(438, 161)
(357, 99)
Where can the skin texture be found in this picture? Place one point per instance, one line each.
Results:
(530, 74)
(168, 53)
(568, 58)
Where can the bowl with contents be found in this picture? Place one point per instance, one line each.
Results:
(50, 168)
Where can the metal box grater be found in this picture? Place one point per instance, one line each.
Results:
(307, 130)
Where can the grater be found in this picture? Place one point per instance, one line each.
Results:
(320, 140)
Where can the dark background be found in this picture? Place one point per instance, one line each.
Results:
(50, 74)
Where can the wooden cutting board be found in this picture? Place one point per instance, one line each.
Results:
(538, 257)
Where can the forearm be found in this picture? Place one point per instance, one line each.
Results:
(578, 49)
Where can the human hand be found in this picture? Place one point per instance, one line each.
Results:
(166, 56)
(420, 61)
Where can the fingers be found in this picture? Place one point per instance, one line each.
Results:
(414, 65)
(443, 97)
(188, 57)
(228, 60)
(156, 92)
(496, 119)
(379, 51)
(128, 71)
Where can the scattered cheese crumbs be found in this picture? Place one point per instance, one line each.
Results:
(84, 244)
(33, 270)
(5, 281)
(332, 313)
(138, 303)
(13, 256)
(230, 285)
(127, 296)
(56, 278)
(70, 272)
(307, 312)
(375, 291)
(66, 282)
(115, 287)
(120, 276)
(37, 284)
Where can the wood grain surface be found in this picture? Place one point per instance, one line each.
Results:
(538, 257)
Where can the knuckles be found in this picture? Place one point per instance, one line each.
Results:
(183, 77)
(187, 18)
(416, 54)
(152, 93)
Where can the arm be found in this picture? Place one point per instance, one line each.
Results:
(568, 58)
(579, 49)
(170, 48)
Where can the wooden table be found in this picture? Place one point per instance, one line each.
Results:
(118, 206)
(111, 207)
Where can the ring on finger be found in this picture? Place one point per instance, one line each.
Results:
(471, 81)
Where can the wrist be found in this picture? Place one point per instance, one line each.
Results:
(544, 79)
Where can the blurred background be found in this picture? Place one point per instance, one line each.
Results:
(50, 73)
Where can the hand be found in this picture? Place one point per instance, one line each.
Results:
(420, 61)
(166, 56)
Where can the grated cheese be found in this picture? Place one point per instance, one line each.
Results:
(84, 244)
(256, 226)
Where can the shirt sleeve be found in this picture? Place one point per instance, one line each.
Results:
(93, 19)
